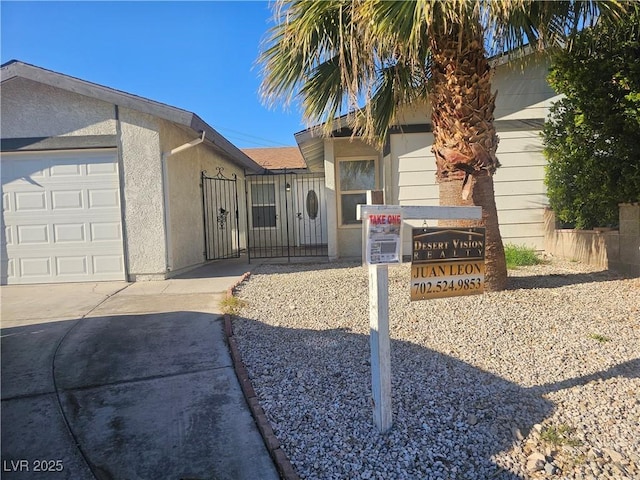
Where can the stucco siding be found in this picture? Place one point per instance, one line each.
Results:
(32, 109)
(345, 147)
(185, 195)
(209, 162)
(329, 167)
(143, 197)
(350, 242)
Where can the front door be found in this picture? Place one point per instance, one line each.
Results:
(311, 217)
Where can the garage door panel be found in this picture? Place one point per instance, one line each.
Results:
(30, 201)
(19, 172)
(66, 169)
(63, 199)
(104, 199)
(105, 232)
(107, 264)
(10, 267)
(101, 169)
(62, 217)
(8, 236)
(69, 232)
(32, 235)
(37, 267)
(76, 265)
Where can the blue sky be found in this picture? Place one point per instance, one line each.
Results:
(199, 56)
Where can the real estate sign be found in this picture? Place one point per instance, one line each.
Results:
(447, 262)
(383, 237)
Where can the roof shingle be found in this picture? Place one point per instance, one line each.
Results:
(276, 158)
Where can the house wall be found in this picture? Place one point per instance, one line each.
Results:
(519, 188)
(523, 91)
(186, 224)
(519, 184)
(412, 166)
(330, 192)
(143, 197)
(32, 109)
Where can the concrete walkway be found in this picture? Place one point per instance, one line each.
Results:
(125, 381)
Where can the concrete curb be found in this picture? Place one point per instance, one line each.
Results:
(280, 459)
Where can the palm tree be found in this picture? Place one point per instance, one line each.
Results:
(368, 58)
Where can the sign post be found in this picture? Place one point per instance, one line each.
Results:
(383, 245)
(379, 286)
(380, 346)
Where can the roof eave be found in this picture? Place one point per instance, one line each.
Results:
(224, 145)
(14, 69)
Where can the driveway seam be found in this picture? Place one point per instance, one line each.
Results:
(27, 396)
(102, 301)
(141, 379)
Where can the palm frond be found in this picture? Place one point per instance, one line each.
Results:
(370, 56)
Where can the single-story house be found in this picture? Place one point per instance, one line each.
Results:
(405, 168)
(99, 184)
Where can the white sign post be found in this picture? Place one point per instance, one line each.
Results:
(379, 302)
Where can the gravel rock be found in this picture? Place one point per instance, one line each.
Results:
(549, 469)
(479, 383)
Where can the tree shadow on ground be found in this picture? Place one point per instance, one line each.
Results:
(449, 418)
(136, 396)
(555, 280)
(630, 369)
(514, 281)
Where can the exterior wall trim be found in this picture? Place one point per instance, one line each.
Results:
(57, 143)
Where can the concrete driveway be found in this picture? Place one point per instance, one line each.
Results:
(124, 381)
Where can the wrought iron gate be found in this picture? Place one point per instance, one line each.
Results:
(220, 212)
(286, 215)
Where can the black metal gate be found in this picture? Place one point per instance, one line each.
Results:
(220, 212)
(286, 215)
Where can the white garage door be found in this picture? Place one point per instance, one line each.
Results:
(61, 217)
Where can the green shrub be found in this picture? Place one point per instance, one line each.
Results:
(591, 137)
(520, 256)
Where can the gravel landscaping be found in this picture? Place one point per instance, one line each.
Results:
(539, 381)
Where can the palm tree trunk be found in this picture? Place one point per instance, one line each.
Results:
(482, 195)
(465, 140)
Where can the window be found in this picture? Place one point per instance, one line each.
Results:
(355, 177)
(312, 204)
(263, 205)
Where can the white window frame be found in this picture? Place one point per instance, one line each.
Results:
(340, 192)
(274, 204)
